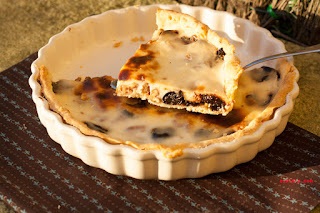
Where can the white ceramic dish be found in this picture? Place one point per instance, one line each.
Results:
(86, 49)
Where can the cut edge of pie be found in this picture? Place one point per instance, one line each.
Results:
(133, 83)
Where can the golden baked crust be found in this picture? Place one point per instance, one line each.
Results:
(167, 70)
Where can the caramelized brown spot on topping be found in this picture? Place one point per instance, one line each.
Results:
(124, 74)
(137, 61)
(154, 66)
(104, 82)
(106, 98)
(88, 85)
(135, 39)
(199, 88)
(220, 54)
(118, 44)
(144, 46)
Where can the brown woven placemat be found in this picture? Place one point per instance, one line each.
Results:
(36, 175)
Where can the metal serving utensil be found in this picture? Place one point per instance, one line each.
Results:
(310, 49)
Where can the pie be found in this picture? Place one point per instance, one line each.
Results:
(92, 106)
(185, 66)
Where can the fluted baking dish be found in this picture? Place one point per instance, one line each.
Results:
(88, 48)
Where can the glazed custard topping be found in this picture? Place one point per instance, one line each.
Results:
(93, 102)
(173, 59)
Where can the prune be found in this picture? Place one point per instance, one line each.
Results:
(264, 74)
(96, 127)
(215, 102)
(267, 69)
(127, 113)
(220, 54)
(203, 133)
(55, 87)
(173, 98)
(162, 132)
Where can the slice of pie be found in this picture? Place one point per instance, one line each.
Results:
(185, 65)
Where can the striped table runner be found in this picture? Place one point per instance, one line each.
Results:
(36, 175)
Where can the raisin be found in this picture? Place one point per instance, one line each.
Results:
(162, 132)
(267, 69)
(96, 127)
(128, 113)
(55, 87)
(264, 74)
(174, 98)
(203, 133)
(215, 102)
(220, 54)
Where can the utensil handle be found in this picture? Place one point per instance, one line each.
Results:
(311, 49)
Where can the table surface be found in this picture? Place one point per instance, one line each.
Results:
(25, 26)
